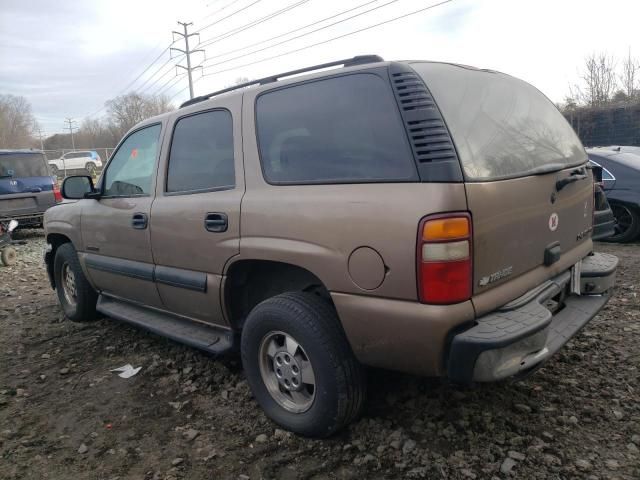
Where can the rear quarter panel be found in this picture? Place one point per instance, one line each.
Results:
(318, 227)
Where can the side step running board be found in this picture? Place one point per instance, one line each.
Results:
(209, 338)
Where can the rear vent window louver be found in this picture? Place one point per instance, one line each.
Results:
(429, 137)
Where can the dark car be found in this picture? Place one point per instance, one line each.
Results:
(621, 183)
(27, 188)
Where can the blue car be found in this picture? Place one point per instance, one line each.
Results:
(621, 184)
(27, 188)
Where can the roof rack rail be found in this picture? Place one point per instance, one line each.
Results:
(349, 62)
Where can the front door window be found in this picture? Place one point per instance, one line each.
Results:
(130, 171)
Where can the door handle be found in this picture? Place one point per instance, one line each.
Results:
(216, 222)
(139, 221)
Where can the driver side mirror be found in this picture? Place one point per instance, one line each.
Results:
(78, 187)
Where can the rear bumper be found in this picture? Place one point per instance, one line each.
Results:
(526, 332)
(25, 219)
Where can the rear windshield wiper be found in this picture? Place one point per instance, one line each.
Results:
(577, 174)
(549, 168)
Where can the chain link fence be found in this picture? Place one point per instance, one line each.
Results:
(63, 163)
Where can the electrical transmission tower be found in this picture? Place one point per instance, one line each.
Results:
(187, 52)
(70, 125)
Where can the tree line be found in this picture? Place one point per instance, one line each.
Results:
(19, 128)
(605, 81)
(604, 107)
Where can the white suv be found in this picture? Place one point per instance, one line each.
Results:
(84, 160)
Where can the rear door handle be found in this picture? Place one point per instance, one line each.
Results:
(216, 222)
(139, 221)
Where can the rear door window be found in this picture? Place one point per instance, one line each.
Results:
(502, 127)
(201, 155)
(344, 129)
(20, 165)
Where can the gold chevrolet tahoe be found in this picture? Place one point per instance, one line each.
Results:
(424, 217)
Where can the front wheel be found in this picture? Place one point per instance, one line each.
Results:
(77, 298)
(300, 366)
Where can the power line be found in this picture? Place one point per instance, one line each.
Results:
(228, 16)
(137, 78)
(295, 30)
(165, 84)
(298, 36)
(220, 9)
(331, 39)
(161, 77)
(235, 31)
(172, 83)
(140, 87)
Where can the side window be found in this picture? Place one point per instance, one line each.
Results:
(336, 130)
(201, 156)
(131, 168)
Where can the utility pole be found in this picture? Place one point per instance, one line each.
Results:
(40, 135)
(187, 52)
(70, 125)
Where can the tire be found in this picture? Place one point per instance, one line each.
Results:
(627, 226)
(90, 167)
(339, 384)
(79, 302)
(8, 256)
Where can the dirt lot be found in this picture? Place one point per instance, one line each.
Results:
(63, 415)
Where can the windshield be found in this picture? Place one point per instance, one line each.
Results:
(502, 127)
(23, 165)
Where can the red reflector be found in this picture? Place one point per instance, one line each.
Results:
(56, 192)
(445, 282)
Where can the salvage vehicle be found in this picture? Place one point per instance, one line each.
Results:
(89, 161)
(621, 185)
(8, 254)
(417, 216)
(27, 188)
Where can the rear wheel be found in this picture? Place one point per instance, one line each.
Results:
(77, 298)
(627, 227)
(300, 366)
(8, 256)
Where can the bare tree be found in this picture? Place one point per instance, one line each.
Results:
(599, 80)
(16, 122)
(630, 76)
(125, 111)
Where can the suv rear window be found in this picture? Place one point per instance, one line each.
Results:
(502, 127)
(23, 165)
(344, 129)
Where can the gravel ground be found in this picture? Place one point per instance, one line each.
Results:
(63, 415)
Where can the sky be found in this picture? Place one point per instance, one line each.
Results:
(68, 57)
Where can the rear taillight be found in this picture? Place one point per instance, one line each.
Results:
(444, 258)
(56, 192)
